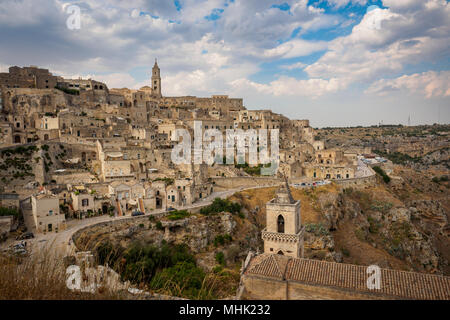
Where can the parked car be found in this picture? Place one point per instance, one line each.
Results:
(137, 213)
(171, 209)
(26, 235)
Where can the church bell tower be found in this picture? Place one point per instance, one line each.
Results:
(284, 232)
(156, 80)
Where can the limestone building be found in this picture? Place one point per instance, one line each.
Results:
(284, 232)
(46, 214)
(156, 80)
(28, 77)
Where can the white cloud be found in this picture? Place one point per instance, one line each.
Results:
(429, 84)
(343, 3)
(200, 57)
(385, 41)
(4, 68)
(295, 48)
(298, 65)
(288, 86)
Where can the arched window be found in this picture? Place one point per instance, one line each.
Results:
(280, 224)
(280, 253)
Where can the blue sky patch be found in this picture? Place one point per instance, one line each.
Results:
(178, 5)
(283, 7)
(215, 14)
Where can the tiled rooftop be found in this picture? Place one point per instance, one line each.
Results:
(394, 283)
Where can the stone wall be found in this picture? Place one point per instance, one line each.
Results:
(223, 183)
(263, 288)
(358, 182)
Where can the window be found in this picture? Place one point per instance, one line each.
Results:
(280, 224)
(85, 202)
(50, 212)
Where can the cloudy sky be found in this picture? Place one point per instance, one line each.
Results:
(335, 62)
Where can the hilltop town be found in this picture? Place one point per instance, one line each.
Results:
(90, 168)
(97, 149)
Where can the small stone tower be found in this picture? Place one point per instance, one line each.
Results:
(284, 232)
(156, 80)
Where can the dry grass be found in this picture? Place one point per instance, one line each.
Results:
(41, 276)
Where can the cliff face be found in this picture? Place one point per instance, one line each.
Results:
(204, 235)
(401, 226)
(376, 226)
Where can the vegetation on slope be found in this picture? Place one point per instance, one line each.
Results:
(169, 269)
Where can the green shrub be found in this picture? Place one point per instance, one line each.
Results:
(317, 228)
(178, 215)
(68, 91)
(221, 240)
(220, 205)
(220, 258)
(8, 212)
(159, 226)
(383, 174)
(381, 206)
(186, 276)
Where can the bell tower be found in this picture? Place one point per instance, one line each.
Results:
(284, 232)
(156, 80)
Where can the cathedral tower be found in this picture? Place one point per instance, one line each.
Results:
(156, 80)
(284, 232)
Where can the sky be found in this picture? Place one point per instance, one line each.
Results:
(334, 62)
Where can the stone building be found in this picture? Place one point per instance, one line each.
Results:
(83, 201)
(276, 277)
(284, 232)
(9, 200)
(28, 77)
(46, 215)
(156, 80)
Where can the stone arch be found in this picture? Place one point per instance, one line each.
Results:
(280, 224)
(280, 253)
(46, 136)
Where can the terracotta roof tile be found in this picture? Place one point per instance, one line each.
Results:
(394, 283)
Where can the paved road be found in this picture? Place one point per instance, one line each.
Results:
(363, 170)
(59, 242)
